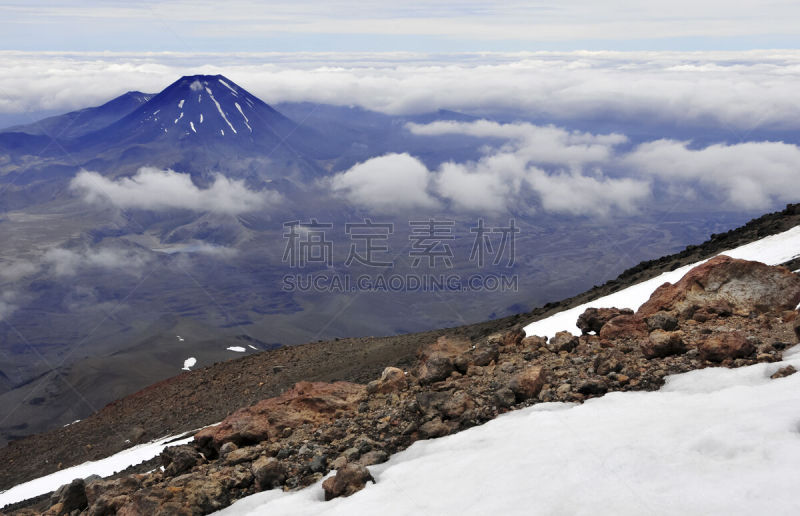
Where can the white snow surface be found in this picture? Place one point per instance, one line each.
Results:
(246, 120)
(180, 104)
(191, 124)
(771, 250)
(189, 363)
(219, 108)
(104, 467)
(237, 349)
(715, 441)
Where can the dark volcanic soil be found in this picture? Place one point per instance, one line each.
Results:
(202, 397)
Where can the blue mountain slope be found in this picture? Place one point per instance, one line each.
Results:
(77, 123)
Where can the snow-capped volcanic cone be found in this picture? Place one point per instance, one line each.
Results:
(213, 111)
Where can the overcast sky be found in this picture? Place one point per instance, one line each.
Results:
(428, 26)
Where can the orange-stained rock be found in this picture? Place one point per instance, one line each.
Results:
(722, 346)
(306, 402)
(624, 326)
(743, 285)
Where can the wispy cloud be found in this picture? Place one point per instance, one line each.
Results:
(154, 189)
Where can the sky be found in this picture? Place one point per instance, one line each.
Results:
(419, 26)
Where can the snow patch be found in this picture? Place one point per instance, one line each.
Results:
(252, 347)
(191, 124)
(246, 120)
(196, 86)
(219, 108)
(228, 86)
(686, 449)
(237, 349)
(189, 363)
(772, 250)
(104, 467)
(201, 118)
(181, 116)
(180, 104)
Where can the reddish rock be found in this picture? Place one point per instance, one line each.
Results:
(722, 346)
(510, 338)
(563, 341)
(723, 282)
(438, 360)
(624, 326)
(348, 480)
(534, 342)
(528, 383)
(315, 403)
(662, 344)
(484, 354)
(392, 379)
(446, 347)
(434, 428)
(593, 319)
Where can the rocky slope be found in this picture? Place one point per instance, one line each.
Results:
(206, 396)
(726, 312)
(228, 386)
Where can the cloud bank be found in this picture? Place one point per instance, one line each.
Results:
(737, 90)
(535, 168)
(752, 175)
(157, 190)
(569, 172)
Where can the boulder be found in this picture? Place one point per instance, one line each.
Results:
(348, 480)
(434, 428)
(484, 354)
(71, 497)
(797, 328)
(661, 321)
(178, 459)
(392, 379)
(593, 387)
(593, 319)
(438, 360)
(528, 383)
(268, 472)
(563, 341)
(662, 344)
(313, 403)
(721, 346)
(624, 327)
(534, 342)
(783, 372)
(435, 369)
(511, 338)
(373, 457)
(743, 286)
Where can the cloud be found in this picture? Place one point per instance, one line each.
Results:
(16, 270)
(7, 304)
(691, 88)
(751, 175)
(67, 262)
(387, 184)
(153, 189)
(533, 167)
